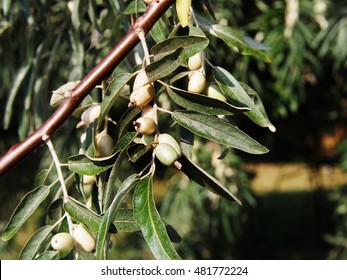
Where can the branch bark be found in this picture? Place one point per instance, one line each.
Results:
(99, 73)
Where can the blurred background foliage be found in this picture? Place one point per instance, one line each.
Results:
(44, 44)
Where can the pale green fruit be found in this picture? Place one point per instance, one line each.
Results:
(195, 62)
(104, 144)
(213, 91)
(84, 240)
(63, 242)
(183, 8)
(145, 125)
(142, 96)
(166, 154)
(197, 82)
(91, 114)
(62, 92)
(168, 139)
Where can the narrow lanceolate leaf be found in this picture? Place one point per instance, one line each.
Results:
(24, 210)
(125, 220)
(217, 130)
(165, 66)
(190, 44)
(36, 243)
(48, 255)
(148, 218)
(110, 214)
(201, 177)
(86, 165)
(233, 90)
(84, 215)
(201, 103)
(234, 38)
(115, 88)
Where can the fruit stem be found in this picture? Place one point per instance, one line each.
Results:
(56, 161)
(142, 38)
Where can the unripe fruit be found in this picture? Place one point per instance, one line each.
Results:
(91, 114)
(166, 154)
(168, 139)
(195, 62)
(145, 125)
(141, 79)
(104, 144)
(213, 91)
(63, 242)
(148, 1)
(84, 240)
(62, 92)
(197, 82)
(142, 96)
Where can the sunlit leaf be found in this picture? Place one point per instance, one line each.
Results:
(233, 90)
(148, 218)
(201, 103)
(30, 202)
(217, 130)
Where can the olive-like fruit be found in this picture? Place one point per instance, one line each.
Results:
(168, 139)
(213, 91)
(91, 114)
(197, 82)
(183, 8)
(145, 125)
(88, 179)
(166, 154)
(141, 79)
(142, 96)
(148, 1)
(104, 144)
(195, 62)
(63, 242)
(84, 240)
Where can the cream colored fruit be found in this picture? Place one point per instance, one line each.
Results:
(141, 79)
(91, 114)
(148, 1)
(195, 62)
(168, 139)
(104, 144)
(88, 179)
(84, 240)
(213, 91)
(63, 242)
(142, 96)
(145, 125)
(197, 82)
(166, 154)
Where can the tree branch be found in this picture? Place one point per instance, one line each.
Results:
(99, 73)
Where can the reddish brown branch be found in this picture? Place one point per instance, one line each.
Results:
(99, 73)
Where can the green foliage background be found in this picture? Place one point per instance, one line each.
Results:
(43, 44)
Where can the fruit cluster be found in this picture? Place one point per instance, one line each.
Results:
(81, 238)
